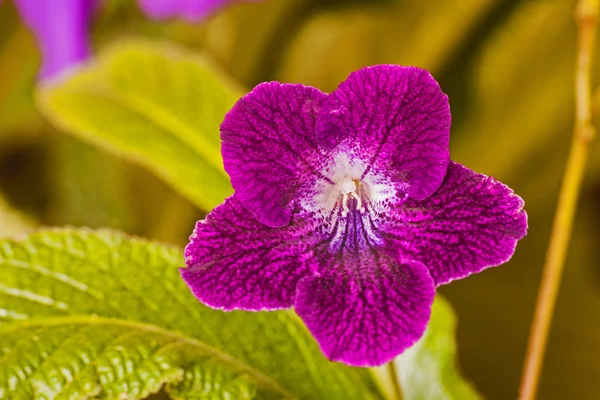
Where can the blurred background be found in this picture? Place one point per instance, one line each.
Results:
(507, 66)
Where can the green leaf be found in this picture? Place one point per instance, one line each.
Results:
(73, 357)
(154, 104)
(73, 273)
(428, 370)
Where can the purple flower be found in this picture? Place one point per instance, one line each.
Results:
(348, 208)
(61, 27)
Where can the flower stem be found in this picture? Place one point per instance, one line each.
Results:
(585, 14)
(395, 378)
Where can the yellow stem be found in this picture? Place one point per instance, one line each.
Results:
(585, 14)
(393, 373)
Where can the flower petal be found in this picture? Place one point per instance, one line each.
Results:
(397, 120)
(60, 28)
(269, 145)
(235, 262)
(367, 310)
(471, 223)
(191, 10)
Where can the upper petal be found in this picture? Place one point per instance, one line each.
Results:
(60, 28)
(471, 223)
(397, 120)
(235, 262)
(269, 147)
(364, 310)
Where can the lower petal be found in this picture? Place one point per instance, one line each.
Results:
(235, 262)
(368, 310)
(470, 223)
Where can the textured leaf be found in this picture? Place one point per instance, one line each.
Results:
(428, 370)
(62, 273)
(154, 104)
(73, 357)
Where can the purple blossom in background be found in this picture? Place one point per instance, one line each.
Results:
(348, 208)
(61, 27)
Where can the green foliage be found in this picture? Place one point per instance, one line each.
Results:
(154, 104)
(75, 323)
(74, 357)
(428, 370)
(88, 296)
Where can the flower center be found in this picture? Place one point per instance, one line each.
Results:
(349, 205)
(348, 189)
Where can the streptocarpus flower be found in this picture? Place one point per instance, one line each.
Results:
(348, 208)
(61, 27)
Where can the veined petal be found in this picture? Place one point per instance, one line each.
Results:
(235, 262)
(191, 10)
(396, 120)
(471, 223)
(60, 28)
(269, 148)
(365, 310)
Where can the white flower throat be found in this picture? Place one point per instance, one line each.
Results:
(349, 202)
(348, 189)
(345, 188)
